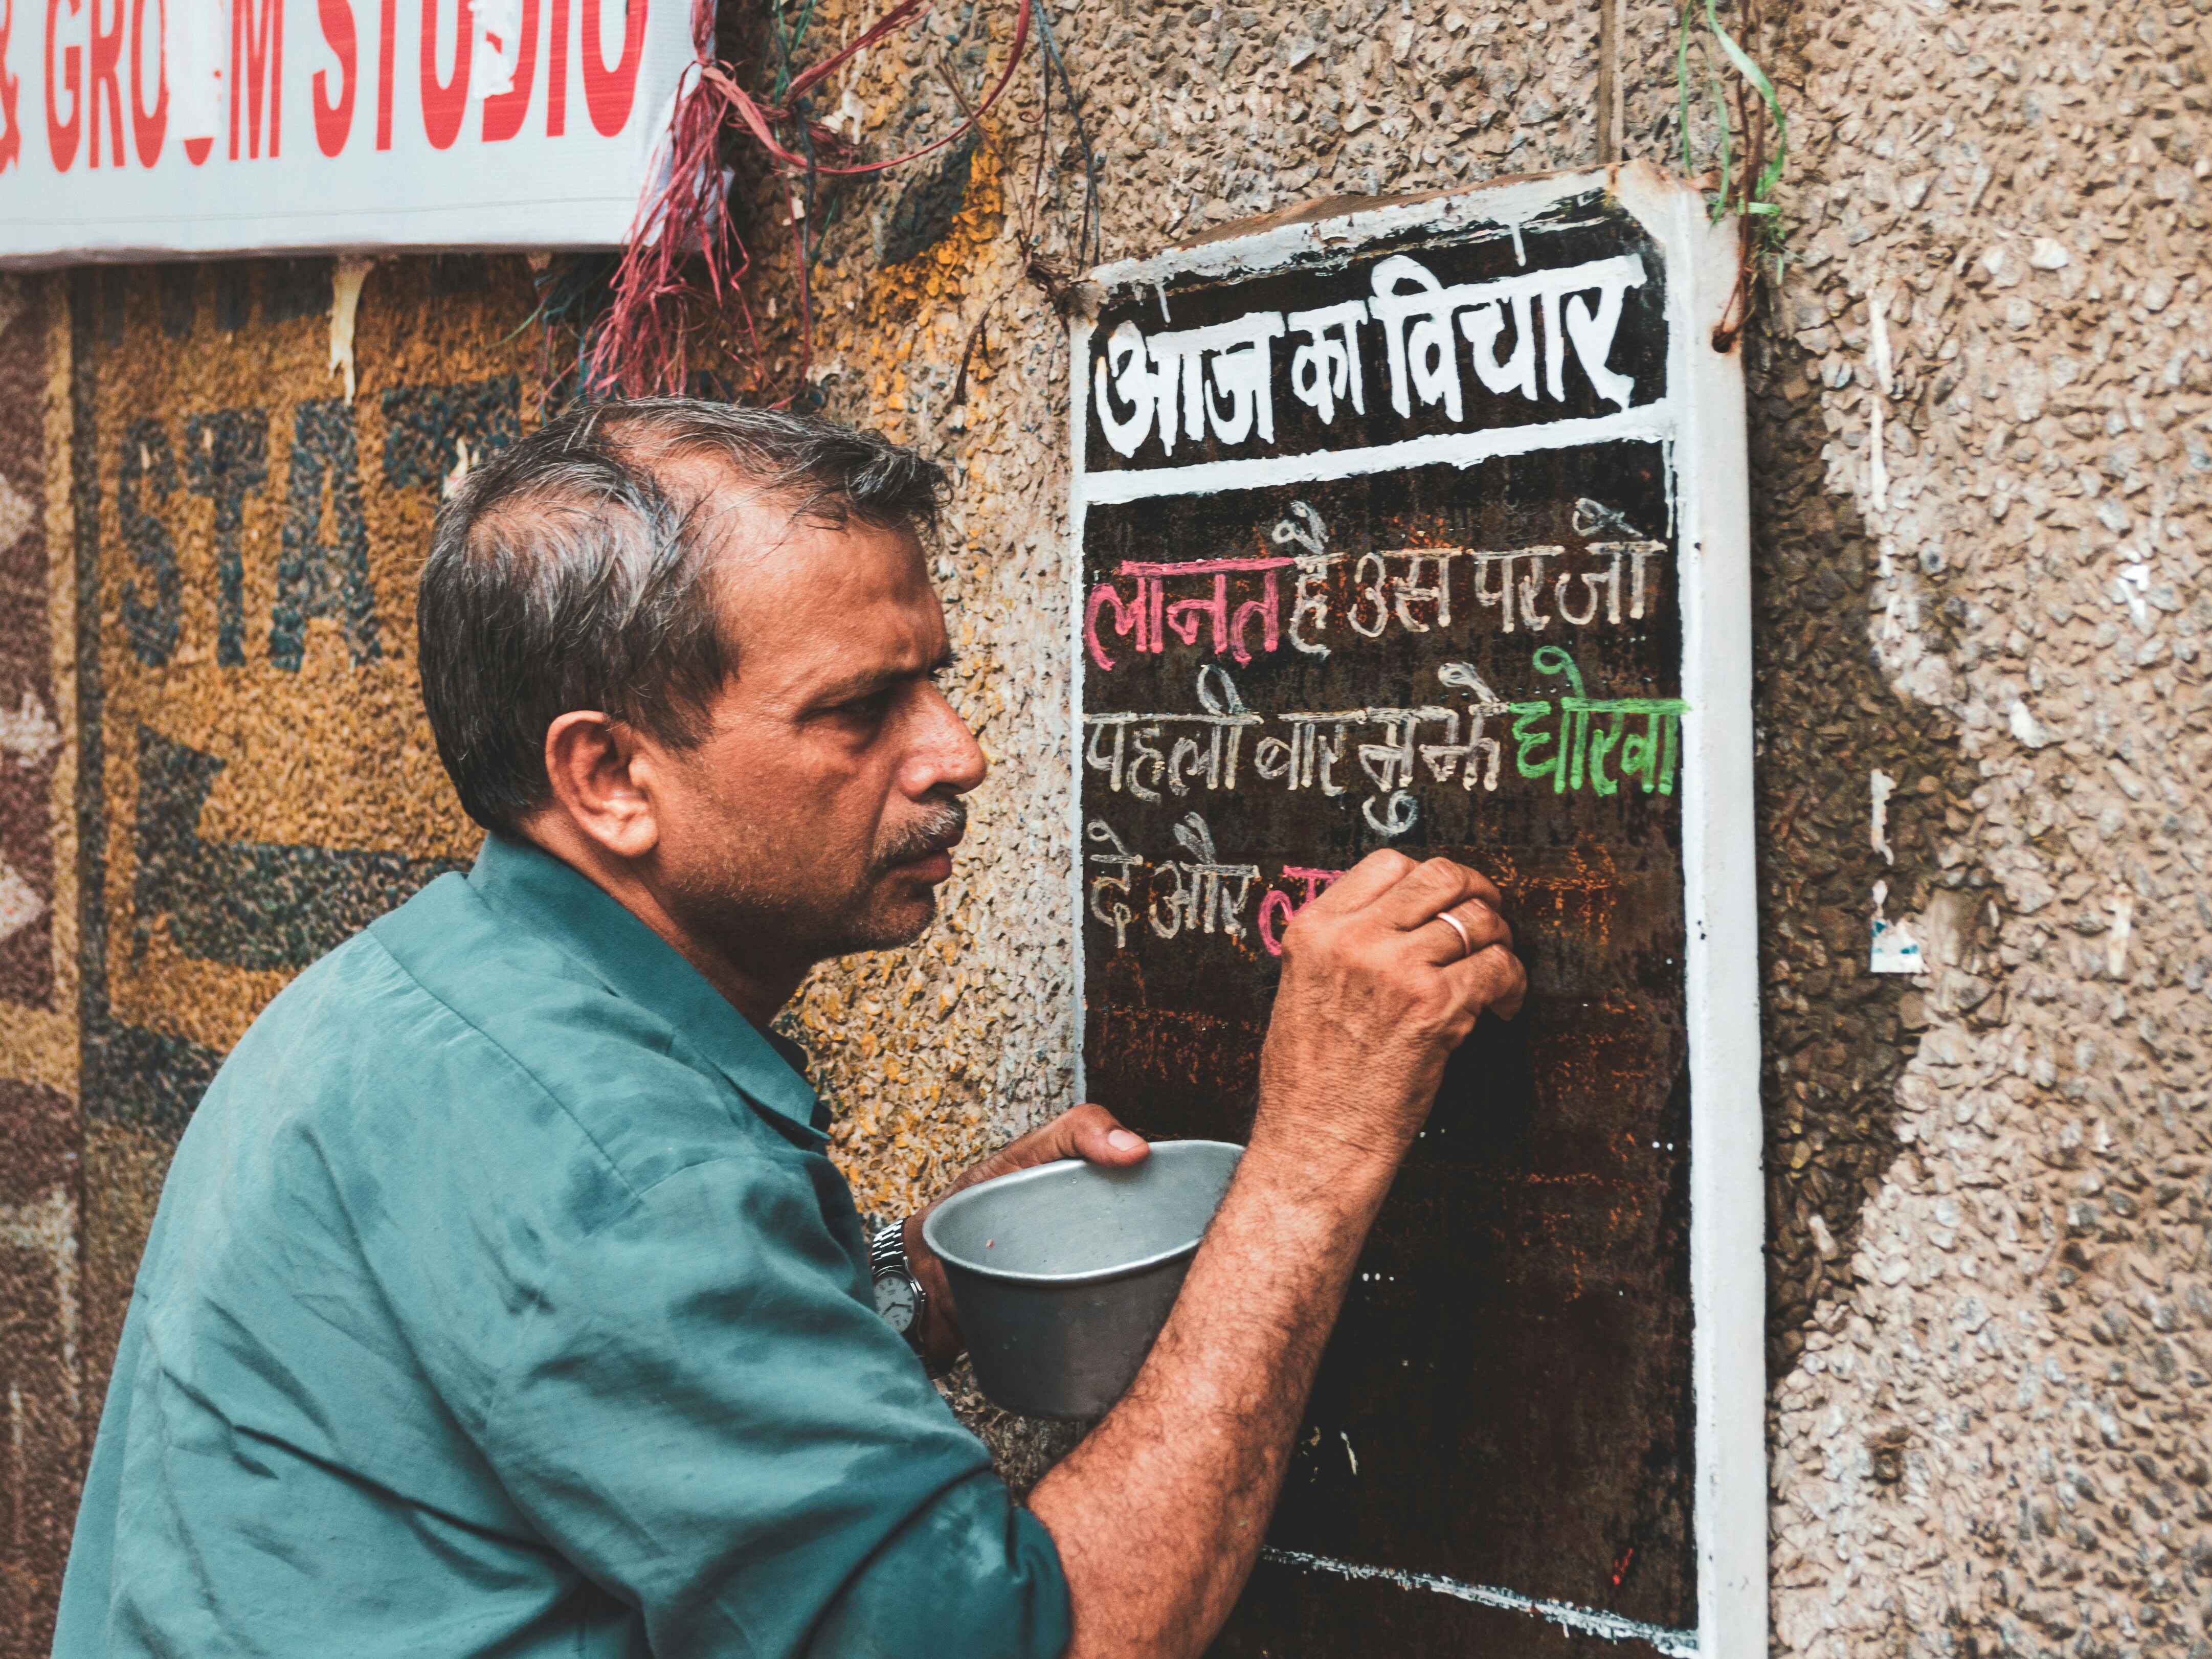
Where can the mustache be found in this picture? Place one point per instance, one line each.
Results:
(938, 833)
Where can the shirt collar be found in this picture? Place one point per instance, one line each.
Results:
(634, 962)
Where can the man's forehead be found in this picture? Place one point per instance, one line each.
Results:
(745, 520)
(797, 591)
(766, 545)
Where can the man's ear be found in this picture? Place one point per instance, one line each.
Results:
(589, 760)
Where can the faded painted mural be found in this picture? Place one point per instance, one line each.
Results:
(212, 708)
(1981, 475)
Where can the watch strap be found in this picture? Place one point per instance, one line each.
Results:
(887, 1251)
(887, 1259)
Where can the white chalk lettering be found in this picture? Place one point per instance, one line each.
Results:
(1414, 310)
(1119, 861)
(1202, 901)
(1482, 326)
(1220, 377)
(1125, 745)
(1511, 582)
(1218, 381)
(1607, 582)
(1483, 704)
(1302, 528)
(1326, 369)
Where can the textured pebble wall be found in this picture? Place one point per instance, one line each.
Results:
(1980, 476)
(1989, 400)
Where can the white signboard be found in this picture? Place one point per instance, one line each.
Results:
(153, 128)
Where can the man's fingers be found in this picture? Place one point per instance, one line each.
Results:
(1376, 874)
(1493, 979)
(1483, 928)
(1096, 1135)
(1439, 884)
(1087, 1131)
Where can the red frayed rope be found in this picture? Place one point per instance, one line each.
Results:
(662, 302)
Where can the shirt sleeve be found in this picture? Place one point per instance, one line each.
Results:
(706, 1417)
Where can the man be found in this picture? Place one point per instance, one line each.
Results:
(502, 1301)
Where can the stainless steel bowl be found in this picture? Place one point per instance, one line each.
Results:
(1065, 1273)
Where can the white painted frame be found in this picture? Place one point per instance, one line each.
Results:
(1702, 419)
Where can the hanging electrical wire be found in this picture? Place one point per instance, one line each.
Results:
(678, 303)
(1050, 275)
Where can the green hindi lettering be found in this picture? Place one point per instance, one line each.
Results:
(1593, 732)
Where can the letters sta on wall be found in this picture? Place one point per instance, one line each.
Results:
(145, 127)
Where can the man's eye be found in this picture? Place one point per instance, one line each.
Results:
(869, 709)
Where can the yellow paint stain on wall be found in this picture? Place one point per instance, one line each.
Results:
(923, 287)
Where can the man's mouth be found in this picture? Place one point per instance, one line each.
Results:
(932, 867)
(941, 853)
(927, 852)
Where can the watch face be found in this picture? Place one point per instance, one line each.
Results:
(894, 1301)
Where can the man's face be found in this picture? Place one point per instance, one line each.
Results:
(818, 815)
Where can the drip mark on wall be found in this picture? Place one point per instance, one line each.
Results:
(1877, 460)
(430, 431)
(351, 272)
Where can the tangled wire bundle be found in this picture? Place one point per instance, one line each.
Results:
(678, 299)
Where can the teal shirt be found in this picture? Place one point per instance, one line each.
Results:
(502, 1301)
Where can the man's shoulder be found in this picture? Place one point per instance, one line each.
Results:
(447, 1030)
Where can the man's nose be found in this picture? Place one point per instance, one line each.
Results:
(946, 755)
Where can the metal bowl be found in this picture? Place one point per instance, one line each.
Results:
(1065, 1273)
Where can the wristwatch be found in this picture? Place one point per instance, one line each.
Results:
(900, 1297)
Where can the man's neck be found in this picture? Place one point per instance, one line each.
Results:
(755, 989)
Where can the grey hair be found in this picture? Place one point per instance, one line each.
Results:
(563, 575)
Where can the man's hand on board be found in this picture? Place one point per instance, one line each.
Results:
(1383, 975)
(1159, 1513)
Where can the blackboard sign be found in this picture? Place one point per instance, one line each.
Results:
(1424, 526)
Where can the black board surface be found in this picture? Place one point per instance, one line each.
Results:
(1287, 663)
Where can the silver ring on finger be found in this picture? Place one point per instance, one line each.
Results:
(1467, 944)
